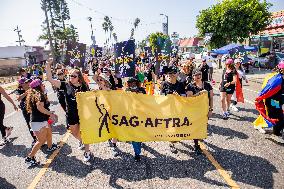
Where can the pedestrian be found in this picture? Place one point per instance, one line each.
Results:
(272, 96)
(21, 92)
(75, 84)
(103, 81)
(133, 85)
(194, 89)
(240, 76)
(37, 105)
(227, 87)
(5, 131)
(204, 68)
(172, 86)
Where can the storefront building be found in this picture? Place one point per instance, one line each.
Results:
(272, 38)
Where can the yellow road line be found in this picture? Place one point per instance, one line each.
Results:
(220, 169)
(48, 162)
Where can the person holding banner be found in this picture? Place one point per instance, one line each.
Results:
(227, 87)
(172, 86)
(194, 89)
(104, 83)
(133, 85)
(75, 84)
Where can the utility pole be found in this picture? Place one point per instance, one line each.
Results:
(20, 37)
(48, 31)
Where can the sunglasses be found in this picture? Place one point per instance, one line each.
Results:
(73, 76)
(60, 74)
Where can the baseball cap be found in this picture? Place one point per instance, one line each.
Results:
(281, 65)
(229, 61)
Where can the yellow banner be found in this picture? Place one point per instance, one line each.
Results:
(136, 117)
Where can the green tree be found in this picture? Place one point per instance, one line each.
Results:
(61, 32)
(159, 41)
(233, 20)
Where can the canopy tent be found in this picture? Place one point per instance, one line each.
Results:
(228, 48)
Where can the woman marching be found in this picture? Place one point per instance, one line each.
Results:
(75, 84)
(5, 131)
(239, 85)
(227, 87)
(21, 92)
(194, 89)
(38, 106)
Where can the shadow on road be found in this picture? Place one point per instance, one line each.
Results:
(5, 185)
(11, 150)
(124, 167)
(247, 169)
(227, 132)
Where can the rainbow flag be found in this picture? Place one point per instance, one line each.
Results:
(272, 85)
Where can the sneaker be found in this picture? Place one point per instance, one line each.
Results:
(52, 148)
(115, 151)
(4, 141)
(197, 149)
(81, 146)
(228, 113)
(87, 156)
(137, 158)
(8, 131)
(173, 149)
(31, 161)
(234, 108)
(225, 116)
(261, 130)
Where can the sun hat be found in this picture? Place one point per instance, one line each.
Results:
(35, 83)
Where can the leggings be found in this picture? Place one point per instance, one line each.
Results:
(27, 117)
(2, 113)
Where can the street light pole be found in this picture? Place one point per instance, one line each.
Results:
(167, 22)
(90, 20)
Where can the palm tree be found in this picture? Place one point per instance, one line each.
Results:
(136, 23)
(114, 37)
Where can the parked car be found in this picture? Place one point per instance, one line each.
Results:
(187, 55)
(279, 57)
(263, 61)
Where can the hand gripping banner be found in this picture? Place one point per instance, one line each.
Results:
(136, 117)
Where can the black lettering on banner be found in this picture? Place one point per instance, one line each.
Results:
(176, 122)
(114, 120)
(167, 122)
(158, 122)
(181, 135)
(134, 123)
(149, 122)
(123, 121)
(186, 122)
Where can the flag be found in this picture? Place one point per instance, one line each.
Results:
(272, 84)
(239, 91)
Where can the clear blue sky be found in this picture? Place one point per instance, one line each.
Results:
(182, 16)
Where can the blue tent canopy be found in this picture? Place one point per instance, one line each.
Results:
(228, 48)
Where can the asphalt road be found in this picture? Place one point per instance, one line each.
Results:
(235, 155)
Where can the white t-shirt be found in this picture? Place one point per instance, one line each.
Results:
(209, 61)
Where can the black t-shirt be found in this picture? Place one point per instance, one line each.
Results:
(204, 69)
(36, 115)
(195, 89)
(228, 77)
(169, 88)
(61, 93)
(70, 95)
(20, 91)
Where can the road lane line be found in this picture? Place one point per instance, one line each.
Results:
(48, 162)
(247, 101)
(219, 168)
